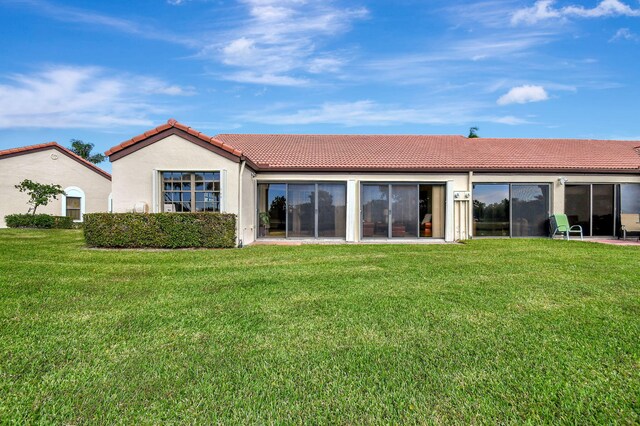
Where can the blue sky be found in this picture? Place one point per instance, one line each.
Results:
(104, 71)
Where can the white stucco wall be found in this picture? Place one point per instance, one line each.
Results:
(40, 166)
(136, 176)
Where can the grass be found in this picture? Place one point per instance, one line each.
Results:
(492, 331)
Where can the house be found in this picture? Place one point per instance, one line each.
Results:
(87, 187)
(379, 187)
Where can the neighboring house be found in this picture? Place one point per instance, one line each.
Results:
(87, 187)
(379, 187)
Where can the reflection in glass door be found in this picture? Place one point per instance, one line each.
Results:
(404, 211)
(529, 210)
(332, 210)
(375, 211)
(301, 208)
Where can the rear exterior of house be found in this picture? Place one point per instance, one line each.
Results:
(87, 187)
(360, 188)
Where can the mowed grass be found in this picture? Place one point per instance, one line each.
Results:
(492, 331)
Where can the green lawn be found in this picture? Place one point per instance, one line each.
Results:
(507, 331)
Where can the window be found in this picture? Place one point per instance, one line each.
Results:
(630, 198)
(73, 208)
(191, 192)
(516, 210)
(73, 202)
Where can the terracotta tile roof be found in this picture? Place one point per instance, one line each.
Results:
(420, 152)
(282, 152)
(54, 145)
(168, 125)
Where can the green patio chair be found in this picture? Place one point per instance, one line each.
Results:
(560, 225)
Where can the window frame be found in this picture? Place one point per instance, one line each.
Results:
(510, 185)
(286, 183)
(192, 191)
(73, 192)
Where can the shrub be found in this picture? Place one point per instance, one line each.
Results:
(43, 221)
(160, 230)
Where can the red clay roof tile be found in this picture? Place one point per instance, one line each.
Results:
(417, 152)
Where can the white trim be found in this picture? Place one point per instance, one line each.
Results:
(155, 203)
(110, 203)
(449, 213)
(73, 191)
(223, 191)
(352, 210)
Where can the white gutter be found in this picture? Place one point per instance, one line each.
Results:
(239, 218)
(470, 209)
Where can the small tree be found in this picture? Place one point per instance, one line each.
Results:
(473, 132)
(39, 194)
(83, 149)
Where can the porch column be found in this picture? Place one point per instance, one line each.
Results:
(448, 213)
(353, 212)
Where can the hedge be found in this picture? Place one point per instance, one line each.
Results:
(43, 221)
(160, 230)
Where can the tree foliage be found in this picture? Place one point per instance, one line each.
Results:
(83, 149)
(473, 132)
(40, 194)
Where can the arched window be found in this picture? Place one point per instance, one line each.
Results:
(73, 203)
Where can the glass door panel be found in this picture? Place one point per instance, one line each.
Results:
(301, 206)
(375, 211)
(431, 216)
(577, 206)
(529, 210)
(404, 211)
(272, 210)
(602, 211)
(332, 210)
(491, 210)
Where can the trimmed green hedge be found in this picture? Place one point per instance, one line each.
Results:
(43, 221)
(160, 230)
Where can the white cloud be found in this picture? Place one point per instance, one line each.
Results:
(371, 113)
(266, 79)
(543, 10)
(625, 34)
(523, 94)
(80, 97)
(281, 38)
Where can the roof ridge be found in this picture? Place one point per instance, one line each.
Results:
(65, 150)
(173, 123)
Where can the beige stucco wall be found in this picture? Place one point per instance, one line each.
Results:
(41, 167)
(136, 176)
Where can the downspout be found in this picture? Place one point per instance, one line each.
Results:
(239, 219)
(470, 209)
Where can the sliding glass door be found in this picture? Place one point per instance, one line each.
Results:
(592, 207)
(516, 210)
(529, 210)
(302, 210)
(375, 211)
(332, 210)
(402, 210)
(404, 207)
